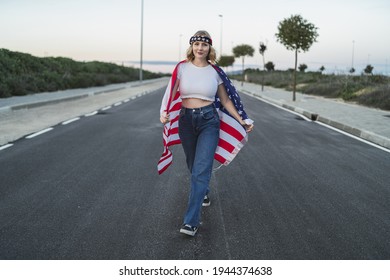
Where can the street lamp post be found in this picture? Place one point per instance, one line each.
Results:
(142, 38)
(220, 46)
(353, 52)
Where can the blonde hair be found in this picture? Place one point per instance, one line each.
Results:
(212, 56)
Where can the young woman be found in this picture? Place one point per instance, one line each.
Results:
(197, 82)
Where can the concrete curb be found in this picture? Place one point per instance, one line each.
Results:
(47, 102)
(363, 134)
(34, 104)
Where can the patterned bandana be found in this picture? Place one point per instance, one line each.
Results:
(202, 39)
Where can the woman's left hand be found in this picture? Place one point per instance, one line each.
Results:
(248, 127)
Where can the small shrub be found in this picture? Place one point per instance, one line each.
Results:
(378, 98)
(327, 89)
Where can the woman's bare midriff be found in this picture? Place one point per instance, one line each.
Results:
(194, 102)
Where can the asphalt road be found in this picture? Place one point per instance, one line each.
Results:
(90, 190)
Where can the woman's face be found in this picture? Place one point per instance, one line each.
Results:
(200, 49)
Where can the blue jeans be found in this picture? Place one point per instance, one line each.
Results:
(199, 134)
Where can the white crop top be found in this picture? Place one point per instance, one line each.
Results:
(198, 82)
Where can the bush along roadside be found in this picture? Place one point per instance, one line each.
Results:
(367, 90)
(22, 74)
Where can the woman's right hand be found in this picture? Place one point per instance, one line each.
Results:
(164, 118)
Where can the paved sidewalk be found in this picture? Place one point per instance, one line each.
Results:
(21, 116)
(367, 123)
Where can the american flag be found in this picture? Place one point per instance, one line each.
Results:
(232, 136)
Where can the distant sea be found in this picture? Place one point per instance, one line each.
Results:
(153, 66)
(168, 66)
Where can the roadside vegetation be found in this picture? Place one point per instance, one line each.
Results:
(297, 34)
(366, 89)
(22, 74)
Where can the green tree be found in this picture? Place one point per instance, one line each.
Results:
(322, 69)
(226, 60)
(262, 50)
(302, 67)
(242, 51)
(368, 69)
(296, 34)
(270, 66)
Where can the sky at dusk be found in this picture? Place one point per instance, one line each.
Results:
(349, 31)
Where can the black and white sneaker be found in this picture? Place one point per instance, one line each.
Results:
(189, 230)
(206, 201)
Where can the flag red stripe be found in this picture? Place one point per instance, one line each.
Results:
(164, 158)
(225, 145)
(176, 107)
(231, 130)
(174, 130)
(175, 119)
(164, 168)
(219, 158)
(174, 142)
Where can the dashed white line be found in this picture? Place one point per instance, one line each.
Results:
(70, 121)
(91, 114)
(39, 133)
(73, 120)
(6, 146)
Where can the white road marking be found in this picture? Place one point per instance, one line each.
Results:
(91, 114)
(39, 133)
(70, 121)
(106, 108)
(6, 146)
